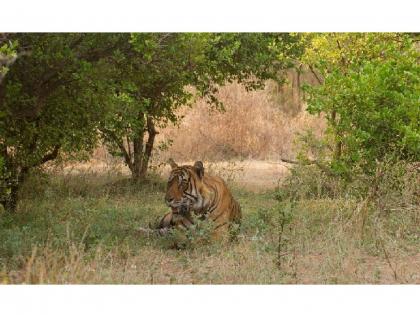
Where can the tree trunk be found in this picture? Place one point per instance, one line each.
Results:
(137, 157)
(151, 130)
(14, 174)
(298, 86)
(10, 204)
(142, 153)
(14, 183)
(338, 142)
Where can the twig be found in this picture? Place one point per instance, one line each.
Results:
(289, 161)
(315, 75)
(310, 162)
(388, 260)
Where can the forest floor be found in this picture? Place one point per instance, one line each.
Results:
(80, 227)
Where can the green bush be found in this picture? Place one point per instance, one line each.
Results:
(370, 97)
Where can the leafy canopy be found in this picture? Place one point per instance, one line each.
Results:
(370, 96)
(166, 71)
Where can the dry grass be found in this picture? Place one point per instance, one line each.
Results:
(252, 134)
(254, 125)
(78, 224)
(82, 229)
(249, 174)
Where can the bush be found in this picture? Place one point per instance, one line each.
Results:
(369, 96)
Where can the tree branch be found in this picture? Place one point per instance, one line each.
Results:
(315, 75)
(127, 157)
(50, 156)
(151, 130)
(310, 162)
(47, 157)
(343, 60)
(289, 161)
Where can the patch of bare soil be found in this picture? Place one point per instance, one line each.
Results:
(260, 175)
(250, 174)
(360, 268)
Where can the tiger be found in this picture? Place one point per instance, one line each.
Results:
(192, 194)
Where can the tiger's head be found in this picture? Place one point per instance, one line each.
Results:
(183, 189)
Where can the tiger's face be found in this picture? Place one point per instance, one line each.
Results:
(182, 194)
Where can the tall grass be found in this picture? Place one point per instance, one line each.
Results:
(372, 219)
(254, 125)
(259, 125)
(80, 226)
(82, 229)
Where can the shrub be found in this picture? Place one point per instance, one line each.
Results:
(370, 97)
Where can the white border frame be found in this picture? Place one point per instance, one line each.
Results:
(211, 15)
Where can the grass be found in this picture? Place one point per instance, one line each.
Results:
(82, 229)
(254, 125)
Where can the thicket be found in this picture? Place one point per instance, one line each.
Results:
(61, 94)
(369, 93)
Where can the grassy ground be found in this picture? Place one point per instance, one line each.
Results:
(82, 229)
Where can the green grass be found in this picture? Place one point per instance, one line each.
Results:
(82, 229)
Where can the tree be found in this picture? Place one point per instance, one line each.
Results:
(58, 90)
(168, 70)
(161, 68)
(52, 100)
(369, 93)
(8, 55)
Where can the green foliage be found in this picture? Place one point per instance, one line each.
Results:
(53, 99)
(56, 94)
(370, 96)
(63, 88)
(166, 71)
(151, 83)
(8, 55)
(199, 235)
(249, 58)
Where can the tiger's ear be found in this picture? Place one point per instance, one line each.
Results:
(172, 163)
(199, 168)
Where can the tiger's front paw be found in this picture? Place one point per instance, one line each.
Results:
(146, 232)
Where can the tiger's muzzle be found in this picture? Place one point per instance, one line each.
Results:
(181, 207)
(182, 210)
